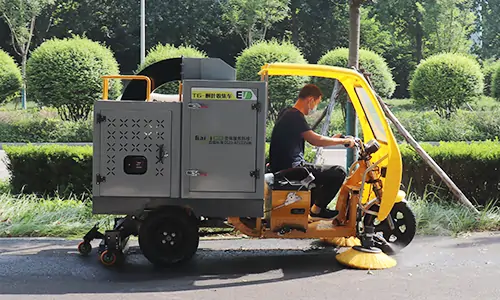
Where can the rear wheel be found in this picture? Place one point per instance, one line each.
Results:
(169, 237)
(405, 226)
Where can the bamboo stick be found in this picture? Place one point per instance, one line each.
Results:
(427, 159)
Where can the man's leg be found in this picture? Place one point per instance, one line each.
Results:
(328, 181)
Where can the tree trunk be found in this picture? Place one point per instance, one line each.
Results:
(419, 35)
(354, 33)
(354, 38)
(23, 89)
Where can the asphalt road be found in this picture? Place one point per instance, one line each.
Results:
(430, 268)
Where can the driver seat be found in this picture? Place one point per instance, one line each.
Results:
(279, 181)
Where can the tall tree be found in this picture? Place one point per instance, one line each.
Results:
(20, 16)
(251, 19)
(195, 23)
(448, 25)
(489, 27)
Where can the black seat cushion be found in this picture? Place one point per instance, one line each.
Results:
(290, 179)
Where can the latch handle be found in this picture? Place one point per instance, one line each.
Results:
(195, 173)
(193, 105)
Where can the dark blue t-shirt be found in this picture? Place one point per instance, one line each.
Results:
(287, 144)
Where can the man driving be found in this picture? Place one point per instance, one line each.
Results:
(287, 151)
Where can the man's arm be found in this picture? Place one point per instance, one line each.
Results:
(322, 141)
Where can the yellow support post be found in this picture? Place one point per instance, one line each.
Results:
(126, 77)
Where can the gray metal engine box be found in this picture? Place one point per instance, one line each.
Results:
(223, 130)
(207, 152)
(136, 148)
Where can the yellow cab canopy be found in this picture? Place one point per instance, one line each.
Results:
(371, 117)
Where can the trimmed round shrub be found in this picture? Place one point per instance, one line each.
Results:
(66, 74)
(489, 68)
(161, 52)
(446, 81)
(282, 90)
(375, 64)
(10, 78)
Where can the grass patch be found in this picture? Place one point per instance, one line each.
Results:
(436, 216)
(28, 216)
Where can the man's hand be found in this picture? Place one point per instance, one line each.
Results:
(349, 140)
(350, 143)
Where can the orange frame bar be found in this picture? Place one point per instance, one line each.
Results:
(130, 77)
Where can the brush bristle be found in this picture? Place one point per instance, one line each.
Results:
(342, 241)
(367, 261)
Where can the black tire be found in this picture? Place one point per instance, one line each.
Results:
(169, 238)
(400, 237)
(84, 248)
(111, 258)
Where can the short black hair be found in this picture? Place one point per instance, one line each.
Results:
(310, 90)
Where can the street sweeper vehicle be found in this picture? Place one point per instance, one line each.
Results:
(170, 165)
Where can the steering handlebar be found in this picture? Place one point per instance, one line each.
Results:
(357, 141)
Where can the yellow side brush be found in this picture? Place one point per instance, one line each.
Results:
(366, 258)
(342, 241)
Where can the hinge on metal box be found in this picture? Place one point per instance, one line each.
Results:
(100, 118)
(256, 106)
(100, 178)
(255, 173)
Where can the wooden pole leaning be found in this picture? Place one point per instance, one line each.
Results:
(426, 158)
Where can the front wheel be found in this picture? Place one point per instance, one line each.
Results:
(168, 238)
(405, 226)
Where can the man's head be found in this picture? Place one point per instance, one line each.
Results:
(309, 98)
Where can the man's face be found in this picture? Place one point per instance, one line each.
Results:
(312, 104)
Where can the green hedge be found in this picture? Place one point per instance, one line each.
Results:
(64, 169)
(50, 169)
(472, 167)
(41, 130)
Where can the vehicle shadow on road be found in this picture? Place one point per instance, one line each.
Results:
(209, 269)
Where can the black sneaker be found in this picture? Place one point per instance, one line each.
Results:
(324, 214)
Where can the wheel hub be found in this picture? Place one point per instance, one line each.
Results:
(168, 238)
(404, 227)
